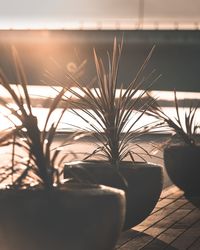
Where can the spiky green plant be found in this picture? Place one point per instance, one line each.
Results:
(114, 117)
(185, 128)
(37, 161)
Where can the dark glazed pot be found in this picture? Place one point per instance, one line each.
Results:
(76, 218)
(144, 184)
(182, 163)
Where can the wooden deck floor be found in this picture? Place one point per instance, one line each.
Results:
(173, 225)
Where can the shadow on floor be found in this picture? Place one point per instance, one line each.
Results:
(195, 200)
(139, 240)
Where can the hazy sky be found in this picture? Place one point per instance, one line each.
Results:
(13, 11)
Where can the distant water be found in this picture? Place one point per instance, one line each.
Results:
(71, 122)
(72, 119)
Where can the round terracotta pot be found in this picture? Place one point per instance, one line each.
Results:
(182, 163)
(78, 217)
(142, 188)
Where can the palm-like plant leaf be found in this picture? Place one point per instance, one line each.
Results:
(185, 128)
(36, 144)
(113, 117)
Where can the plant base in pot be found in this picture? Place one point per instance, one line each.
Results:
(144, 184)
(77, 217)
(182, 163)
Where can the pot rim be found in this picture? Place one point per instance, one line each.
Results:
(171, 146)
(80, 188)
(127, 163)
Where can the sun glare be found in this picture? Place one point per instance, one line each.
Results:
(69, 120)
(114, 24)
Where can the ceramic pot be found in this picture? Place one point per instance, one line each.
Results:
(141, 182)
(182, 163)
(76, 217)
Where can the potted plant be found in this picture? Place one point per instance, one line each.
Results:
(112, 115)
(37, 209)
(182, 153)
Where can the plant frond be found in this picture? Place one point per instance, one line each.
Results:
(111, 114)
(185, 128)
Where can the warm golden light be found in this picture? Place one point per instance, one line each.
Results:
(42, 92)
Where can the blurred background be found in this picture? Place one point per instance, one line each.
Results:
(56, 35)
(60, 35)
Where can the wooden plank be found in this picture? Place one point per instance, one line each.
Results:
(151, 220)
(169, 190)
(126, 236)
(157, 245)
(155, 210)
(163, 203)
(186, 239)
(141, 239)
(195, 245)
(177, 194)
(174, 225)
(166, 223)
(189, 220)
(179, 227)
(170, 234)
(138, 242)
(169, 198)
(161, 214)
(190, 206)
